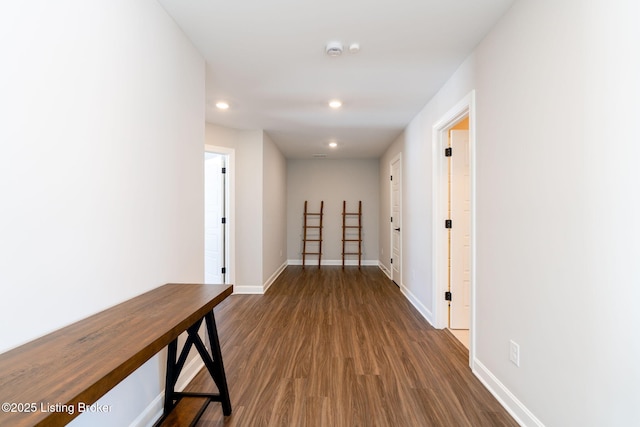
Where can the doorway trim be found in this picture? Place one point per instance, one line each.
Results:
(397, 280)
(229, 209)
(465, 107)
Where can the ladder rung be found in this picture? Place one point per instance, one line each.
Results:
(352, 240)
(351, 253)
(312, 240)
(312, 226)
(351, 213)
(311, 253)
(352, 226)
(313, 213)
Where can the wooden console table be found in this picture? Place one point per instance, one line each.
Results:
(65, 371)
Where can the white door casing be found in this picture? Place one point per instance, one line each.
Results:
(464, 108)
(396, 219)
(229, 207)
(214, 211)
(460, 238)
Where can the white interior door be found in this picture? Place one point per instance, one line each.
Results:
(460, 238)
(396, 219)
(214, 211)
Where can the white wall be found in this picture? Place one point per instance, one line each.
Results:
(101, 178)
(556, 89)
(247, 146)
(274, 218)
(260, 216)
(333, 181)
(249, 196)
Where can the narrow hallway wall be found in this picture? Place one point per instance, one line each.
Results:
(333, 181)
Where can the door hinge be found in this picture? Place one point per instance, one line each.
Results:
(448, 152)
(224, 270)
(448, 223)
(391, 219)
(391, 260)
(224, 220)
(447, 296)
(391, 178)
(224, 170)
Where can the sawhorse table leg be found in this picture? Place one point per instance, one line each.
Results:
(212, 360)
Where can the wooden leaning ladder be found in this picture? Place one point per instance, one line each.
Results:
(315, 237)
(351, 221)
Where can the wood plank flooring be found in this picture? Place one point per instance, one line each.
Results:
(334, 347)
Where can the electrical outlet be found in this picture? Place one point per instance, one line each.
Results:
(514, 353)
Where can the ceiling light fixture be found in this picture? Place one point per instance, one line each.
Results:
(335, 103)
(222, 105)
(333, 144)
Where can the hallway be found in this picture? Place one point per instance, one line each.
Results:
(333, 347)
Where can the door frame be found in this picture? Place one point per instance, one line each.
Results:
(458, 263)
(229, 243)
(396, 158)
(465, 107)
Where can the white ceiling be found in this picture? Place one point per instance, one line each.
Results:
(266, 58)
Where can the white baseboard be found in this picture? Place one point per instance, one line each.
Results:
(424, 311)
(153, 412)
(350, 262)
(274, 276)
(243, 290)
(384, 269)
(257, 289)
(518, 411)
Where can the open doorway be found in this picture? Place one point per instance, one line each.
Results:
(217, 201)
(458, 292)
(454, 253)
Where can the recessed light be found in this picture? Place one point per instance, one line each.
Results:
(335, 103)
(333, 144)
(222, 105)
(333, 49)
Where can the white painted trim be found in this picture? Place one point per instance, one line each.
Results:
(274, 276)
(260, 290)
(230, 211)
(397, 157)
(515, 407)
(349, 262)
(465, 107)
(384, 269)
(424, 311)
(248, 290)
(151, 413)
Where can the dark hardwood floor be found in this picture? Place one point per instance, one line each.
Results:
(334, 347)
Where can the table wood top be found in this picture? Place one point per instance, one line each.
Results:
(81, 362)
